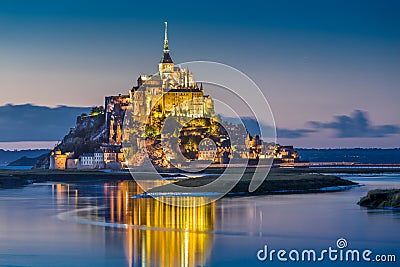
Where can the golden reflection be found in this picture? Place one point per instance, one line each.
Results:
(156, 233)
(176, 236)
(60, 193)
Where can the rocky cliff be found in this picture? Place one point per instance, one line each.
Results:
(87, 135)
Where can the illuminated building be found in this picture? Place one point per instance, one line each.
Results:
(116, 107)
(105, 156)
(58, 161)
(171, 92)
(254, 146)
(285, 154)
(207, 154)
(87, 159)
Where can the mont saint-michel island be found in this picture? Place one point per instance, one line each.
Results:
(199, 134)
(168, 121)
(166, 117)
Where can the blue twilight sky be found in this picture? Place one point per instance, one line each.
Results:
(329, 69)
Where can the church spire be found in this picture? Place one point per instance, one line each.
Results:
(166, 50)
(166, 57)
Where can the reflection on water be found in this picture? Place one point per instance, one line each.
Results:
(175, 235)
(103, 225)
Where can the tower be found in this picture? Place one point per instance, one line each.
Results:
(166, 64)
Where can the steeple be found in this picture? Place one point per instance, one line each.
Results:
(166, 38)
(166, 57)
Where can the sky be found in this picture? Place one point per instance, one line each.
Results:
(329, 69)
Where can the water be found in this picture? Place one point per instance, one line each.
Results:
(16, 168)
(103, 225)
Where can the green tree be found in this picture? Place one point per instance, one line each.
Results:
(97, 110)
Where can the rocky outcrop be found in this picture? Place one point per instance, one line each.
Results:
(381, 198)
(87, 136)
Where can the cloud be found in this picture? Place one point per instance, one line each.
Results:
(357, 125)
(36, 123)
(296, 133)
(255, 127)
(252, 125)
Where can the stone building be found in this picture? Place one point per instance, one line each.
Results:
(58, 160)
(170, 92)
(72, 163)
(254, 146)
(99, 158)
(87, 160)
(285, 154)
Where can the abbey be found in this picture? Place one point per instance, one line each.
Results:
(132, 127)
(170, 92)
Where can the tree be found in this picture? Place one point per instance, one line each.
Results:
(97, 110)
(150, 131)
